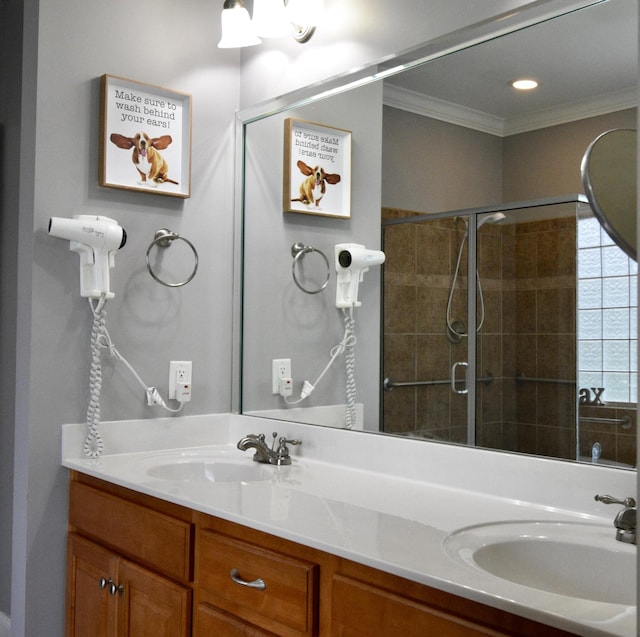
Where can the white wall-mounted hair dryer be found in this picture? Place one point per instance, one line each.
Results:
(352, 261)
(96, 239)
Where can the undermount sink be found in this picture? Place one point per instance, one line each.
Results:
(199, 470)
(577, 560)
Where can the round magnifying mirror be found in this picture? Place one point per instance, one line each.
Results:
(609, 177)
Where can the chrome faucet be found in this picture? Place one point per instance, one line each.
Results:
(625, 521)
(279, 456)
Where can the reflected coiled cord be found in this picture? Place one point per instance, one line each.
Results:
(350, 366)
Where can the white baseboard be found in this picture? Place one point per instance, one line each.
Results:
(5, 626)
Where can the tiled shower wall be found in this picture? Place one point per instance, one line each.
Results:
(528, 276)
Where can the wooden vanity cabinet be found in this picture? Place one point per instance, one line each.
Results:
(129, 566)
(142, 567)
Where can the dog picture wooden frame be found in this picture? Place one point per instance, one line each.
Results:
(145, 138)
(317, 169)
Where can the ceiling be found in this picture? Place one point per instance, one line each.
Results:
(586, 63)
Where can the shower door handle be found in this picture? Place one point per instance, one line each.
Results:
(454, 389)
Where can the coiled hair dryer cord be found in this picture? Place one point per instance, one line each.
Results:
(93, 444)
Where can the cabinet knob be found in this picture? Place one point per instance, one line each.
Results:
(114, 588)
(258, 584)
(103, 581)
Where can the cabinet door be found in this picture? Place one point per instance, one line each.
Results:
(150, 605)
(90, 608)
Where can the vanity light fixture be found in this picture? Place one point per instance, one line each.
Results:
(524, 84)
(305, 16)
(271, 19)
(237, 30)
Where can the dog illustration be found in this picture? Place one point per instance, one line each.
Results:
(312, 189)
(148, 161)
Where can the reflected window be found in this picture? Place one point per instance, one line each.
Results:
(607, 315)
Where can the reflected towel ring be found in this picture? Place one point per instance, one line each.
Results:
(298, 250)
(163, 238)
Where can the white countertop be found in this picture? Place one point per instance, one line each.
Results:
(385, 502)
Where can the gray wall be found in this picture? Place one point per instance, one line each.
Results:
(280, 321)
(57, 50)
(539, 163)
(77, 41)
(422, 163)
(546, 162)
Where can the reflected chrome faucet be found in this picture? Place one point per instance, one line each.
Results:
(279, 456)
(625, 521)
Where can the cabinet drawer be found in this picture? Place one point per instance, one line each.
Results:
(150, 537)
(211, 621)
(288, 603)
(361, 610)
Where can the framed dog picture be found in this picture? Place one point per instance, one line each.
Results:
(317, 169)
(145, 138)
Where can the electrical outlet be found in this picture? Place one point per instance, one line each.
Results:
(280, 368)
(180, 380)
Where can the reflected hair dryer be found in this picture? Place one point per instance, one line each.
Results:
(96, 239)
(352, 261)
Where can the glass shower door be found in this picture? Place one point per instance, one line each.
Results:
(420, 345)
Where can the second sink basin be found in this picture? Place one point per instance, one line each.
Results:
(214, 470)
(571, 559)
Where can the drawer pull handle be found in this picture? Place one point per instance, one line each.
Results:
(257, 583)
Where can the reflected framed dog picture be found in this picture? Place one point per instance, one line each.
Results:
(145, 138)
(317, 169)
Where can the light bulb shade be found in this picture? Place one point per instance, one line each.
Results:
(237, 30)
(270, 20)
(308, 13)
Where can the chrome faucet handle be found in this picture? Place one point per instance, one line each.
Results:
(283, 456)
(609, 499)
(625, 521)
(285, 441)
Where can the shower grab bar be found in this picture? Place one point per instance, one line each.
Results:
(556, 381)
(388, 384)
(625, 421)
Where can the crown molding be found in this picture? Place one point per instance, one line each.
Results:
(413, 102)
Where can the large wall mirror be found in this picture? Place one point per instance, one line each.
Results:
(504, 316)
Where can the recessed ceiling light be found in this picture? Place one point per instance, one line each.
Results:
(524, 84)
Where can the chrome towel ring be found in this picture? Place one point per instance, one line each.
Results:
(163, 238)
(298, 250)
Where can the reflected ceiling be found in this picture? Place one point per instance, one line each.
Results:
(478, 78)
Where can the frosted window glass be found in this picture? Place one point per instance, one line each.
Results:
(615, 323)
(616, 386)
(588, 233)
(633, 359)
(633, 388)
(605, 239)
(614, 262)
(590, 293)
(633, 322)
(633, 267)
(590, 323)
(633, 291)
(590, 379)
(589, 263)
(615, 355)
(590, 355)
(615, 292)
